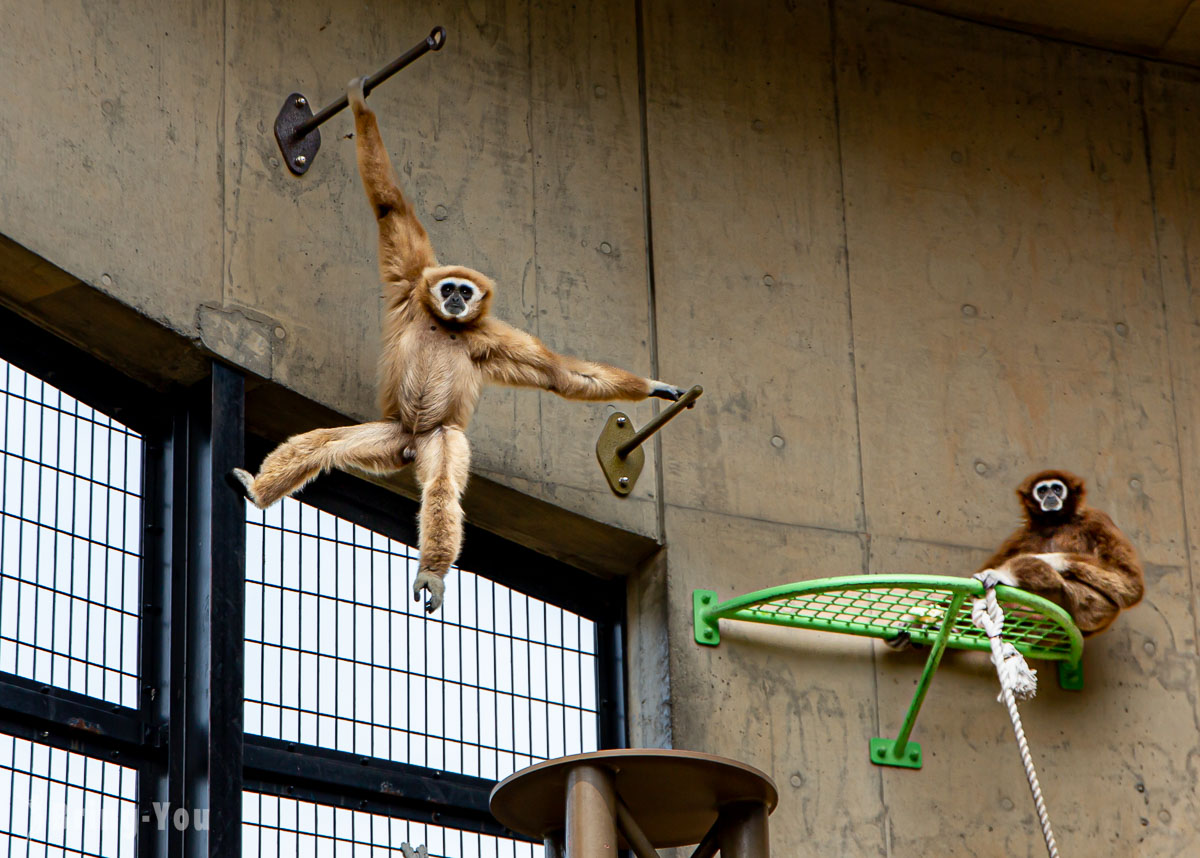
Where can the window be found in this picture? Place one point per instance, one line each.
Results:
(345, 717)
(339, 655)
(70, 541)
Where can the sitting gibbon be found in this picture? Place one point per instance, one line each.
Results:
(1069, 553)
(440, 346)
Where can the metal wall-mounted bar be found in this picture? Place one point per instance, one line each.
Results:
(296, 125)
(619, 447)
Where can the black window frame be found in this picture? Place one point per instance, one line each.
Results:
(185, 738)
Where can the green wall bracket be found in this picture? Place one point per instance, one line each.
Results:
(926, 608)
(707, 631)
(1070, 675)
(884, 753)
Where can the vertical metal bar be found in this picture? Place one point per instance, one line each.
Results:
(591, 813)
(931, 663)
(215, 618)
(154, 651)
(553, 843)
(610, 682)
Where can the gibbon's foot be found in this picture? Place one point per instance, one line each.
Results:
(243, 481)
(434, 584)
(409, 852)
(355, 95)
(666, 391)
(900, 642)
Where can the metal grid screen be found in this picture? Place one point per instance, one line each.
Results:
(57, 803)
(275, 827)
(340, 656)
(70, 539)
(881, 612)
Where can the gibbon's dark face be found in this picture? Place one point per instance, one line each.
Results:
(456, 298)
(1050, 495)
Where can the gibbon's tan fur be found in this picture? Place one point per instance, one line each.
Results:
(1070, 553)
(440, 346)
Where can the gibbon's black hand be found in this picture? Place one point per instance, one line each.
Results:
(667, 391)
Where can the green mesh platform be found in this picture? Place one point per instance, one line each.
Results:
(883, 606)
(932, 610)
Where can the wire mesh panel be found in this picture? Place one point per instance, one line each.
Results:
(275, 827)
(339, 655)
(57, 803)
(884, 606)
(70, 528)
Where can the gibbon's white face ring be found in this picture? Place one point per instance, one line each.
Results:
(1050, 495)
(455, 296)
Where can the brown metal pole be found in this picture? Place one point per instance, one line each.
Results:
(660, 420)
(638, 841)
(709, 845)
(742, 831)
(591, 813)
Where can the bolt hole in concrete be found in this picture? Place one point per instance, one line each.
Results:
(777, 442)
(768, 280)
(106, 279)
(605, 248)
(440, 212)
(981, 468)
(1135, 484)
(1122, 329)
(970, 311)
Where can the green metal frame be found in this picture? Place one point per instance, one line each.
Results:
(926, 607)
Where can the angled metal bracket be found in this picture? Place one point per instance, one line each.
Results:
(296, 126)
(619, 447)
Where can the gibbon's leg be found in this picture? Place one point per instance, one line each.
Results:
(404, 246)
(380, 447)
(1093, 612)
(443, 458)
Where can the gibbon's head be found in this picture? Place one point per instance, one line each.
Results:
(1051, 495)
(457, 294)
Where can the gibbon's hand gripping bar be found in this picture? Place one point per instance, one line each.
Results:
(296, 126)
(619, 447)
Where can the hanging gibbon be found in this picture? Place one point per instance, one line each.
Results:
(1069, 553)
(440, 346)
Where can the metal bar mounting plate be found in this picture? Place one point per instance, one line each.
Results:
(298, 152)
(622, 474)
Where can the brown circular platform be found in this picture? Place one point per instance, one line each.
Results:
(673, 795)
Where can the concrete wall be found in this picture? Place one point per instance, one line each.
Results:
(911, 259)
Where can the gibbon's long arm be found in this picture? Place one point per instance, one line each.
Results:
(404, 247)
(512, 357)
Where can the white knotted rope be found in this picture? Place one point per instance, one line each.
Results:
(1017, 680)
